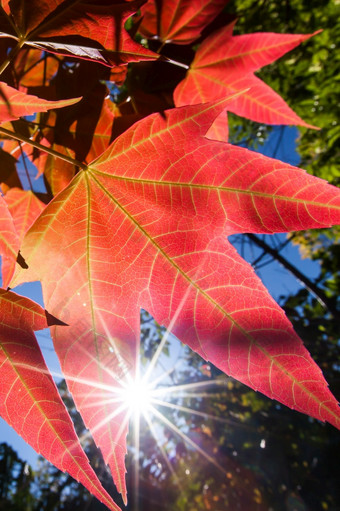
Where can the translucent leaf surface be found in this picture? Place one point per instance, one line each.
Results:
(224, 64)
(24, 208)
(15, 104)
(178, 21)
(146, 226)
(29, 400)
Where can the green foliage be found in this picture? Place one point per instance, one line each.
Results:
(310, 74)
(16, 478)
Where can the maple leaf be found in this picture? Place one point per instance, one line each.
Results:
(9, 239)
(146, 226)
(178, 21)
(24, 207)
(224, 64)
(29, 399)
(15, 104)
(32, 68)
(79, 28)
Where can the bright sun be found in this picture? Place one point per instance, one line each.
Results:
(137, 396)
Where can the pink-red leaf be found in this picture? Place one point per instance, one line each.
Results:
(178, 21)
(146, 226)
(224, 64)
(29, 400)
(9, 239)
(24, 208)
(15, 104)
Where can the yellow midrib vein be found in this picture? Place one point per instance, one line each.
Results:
(213, 188)
(93, 318)
(241, 55)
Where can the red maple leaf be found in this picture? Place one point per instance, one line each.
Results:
(9, 239)
(24, 207)
(15, 104)
(224, 64)
(178, 21)
(83, 29)
(29, 399)
(146, 226)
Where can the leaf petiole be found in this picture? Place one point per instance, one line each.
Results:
(41, 147)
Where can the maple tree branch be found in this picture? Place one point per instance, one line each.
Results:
(255, 263)
(41, 147)
(309, 284)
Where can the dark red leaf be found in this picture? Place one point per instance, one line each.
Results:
(88, 30)
(178, 21)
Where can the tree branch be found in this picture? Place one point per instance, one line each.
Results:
(309, 284)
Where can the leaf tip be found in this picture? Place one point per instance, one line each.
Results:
(21, 261)
(53, 321)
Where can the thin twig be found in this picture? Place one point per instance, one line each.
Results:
(12, 54)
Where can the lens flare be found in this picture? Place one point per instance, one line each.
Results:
(136, 396)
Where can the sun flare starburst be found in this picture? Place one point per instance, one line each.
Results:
(137, 396)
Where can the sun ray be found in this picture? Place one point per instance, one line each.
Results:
(187, 439)
(156, 355)
(136, 432)
(171, 325)
(162, 450)
(191, 386)
(134, 396)
(162, 376)
(190, 410)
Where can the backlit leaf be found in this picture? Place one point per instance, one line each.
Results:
(84, 29)
(9, 239)
(29, 400)
(224, 64)
(34, 68)
(15, 104)
(146, 226)
(178, 21)
(24, 208)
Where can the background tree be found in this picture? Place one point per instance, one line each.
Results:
(239, 449)
(16, 478)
